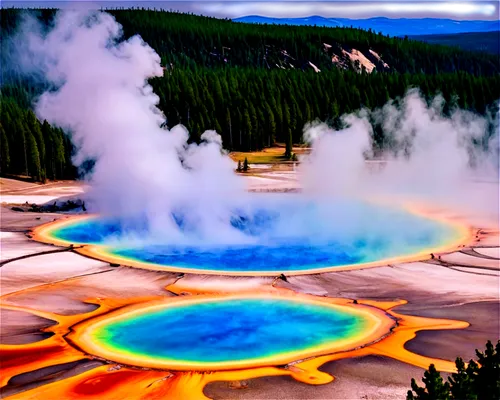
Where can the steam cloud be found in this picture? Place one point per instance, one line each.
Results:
(145, 172)
(141, 169)
(430, 157)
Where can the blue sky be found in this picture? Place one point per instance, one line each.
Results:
(459, 10)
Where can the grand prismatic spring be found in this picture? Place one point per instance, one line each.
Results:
(231, 332)
(280, 234)
(214, 331)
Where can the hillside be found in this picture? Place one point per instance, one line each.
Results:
(189, 40)
(255, 85)
(388, 26)
(488, 42)
(181, 38)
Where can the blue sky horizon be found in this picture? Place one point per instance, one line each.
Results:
(357, 9)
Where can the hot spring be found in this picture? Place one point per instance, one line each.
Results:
(219, 333)
(269, 234)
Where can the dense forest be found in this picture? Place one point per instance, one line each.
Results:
(476, 41)
(252, 84)
(31, 148)
(186, 40)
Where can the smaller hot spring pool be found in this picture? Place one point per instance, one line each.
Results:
(216, 333)
(273, 234)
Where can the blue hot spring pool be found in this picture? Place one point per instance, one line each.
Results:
(274, 233)
(230, 331)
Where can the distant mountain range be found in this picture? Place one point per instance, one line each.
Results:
(388, 26)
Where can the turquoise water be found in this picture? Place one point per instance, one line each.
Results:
(274, 234)
(229, 330)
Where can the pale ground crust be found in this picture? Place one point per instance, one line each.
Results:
(463, 285)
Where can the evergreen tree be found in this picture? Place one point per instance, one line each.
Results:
(480, 380)
(246, 130)
(50, 151)
(487, 380)
(462, 381)
(20, 139)
(35, 129)
(4, 148)
(434, 388)
(34, 168)
(271, 126)
(229, 128)
(287, 132)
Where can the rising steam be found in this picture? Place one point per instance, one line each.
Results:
(428, 156)
(146, 174)
(142, 171)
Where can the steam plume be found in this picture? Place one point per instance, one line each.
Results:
(428, 156)
(149, 176)
(104, 100)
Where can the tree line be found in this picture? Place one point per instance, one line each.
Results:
(31, 148)
(251, 104)
(250, 108)
(184, 39)
(254, 108)
(198, 41)
(478, 380)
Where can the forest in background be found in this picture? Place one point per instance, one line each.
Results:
(233, 78)
(475, 41)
